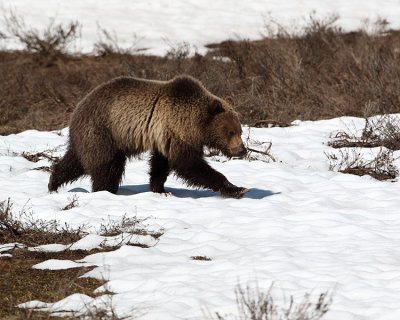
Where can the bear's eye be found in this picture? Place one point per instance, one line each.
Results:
(231, 133)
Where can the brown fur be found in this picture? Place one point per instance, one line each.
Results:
(173, 119)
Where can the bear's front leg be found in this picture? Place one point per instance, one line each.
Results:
(197, 173)
(231, 191)
(159, 170)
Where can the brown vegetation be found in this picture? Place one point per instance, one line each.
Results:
(22, 227)
(201, 258)
(254, 304)
(381, 132)
(20, 283)
(321, 72)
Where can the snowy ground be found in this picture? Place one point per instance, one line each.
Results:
(159, 25)
(302, 227)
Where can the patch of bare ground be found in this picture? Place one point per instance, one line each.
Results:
(20, 283)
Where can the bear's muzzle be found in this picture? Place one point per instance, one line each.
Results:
(239, 151)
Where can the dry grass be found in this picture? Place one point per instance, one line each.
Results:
(35, 157)
(20, 283)
(201, 258)
(320, 72)
(22, 227)
(131, 225)
(73, 202)
(129, 228)
(352, 161)
(381, 132)
(254, 304)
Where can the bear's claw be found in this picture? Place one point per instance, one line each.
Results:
(234, 192)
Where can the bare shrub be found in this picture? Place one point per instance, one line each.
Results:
(380, 131)
(180, 51)
(23, 227)
(319, 72)
(49, 44)
(108, 44)
(132, 225)
(256, 305)
(265, 152)
(102, 311)
(37, 156)
(73, 202)
(351, 160)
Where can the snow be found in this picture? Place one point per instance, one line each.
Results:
(56, 264)
(160, 25)
(54, 247)
(302, 227)
(11, 246)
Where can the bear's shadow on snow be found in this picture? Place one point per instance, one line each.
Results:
(253, 193)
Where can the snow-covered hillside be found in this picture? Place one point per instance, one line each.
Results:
(159, 25)
(302, 227)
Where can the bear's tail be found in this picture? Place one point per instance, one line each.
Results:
(68, 169)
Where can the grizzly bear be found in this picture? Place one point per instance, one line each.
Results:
(173, 119)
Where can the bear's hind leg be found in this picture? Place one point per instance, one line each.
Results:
(108, 176)
(159, 170)
(68, 169)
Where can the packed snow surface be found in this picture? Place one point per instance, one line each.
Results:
(301, 227)
(159, 25)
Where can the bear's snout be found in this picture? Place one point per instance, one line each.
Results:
(242, 151)
(239, 151)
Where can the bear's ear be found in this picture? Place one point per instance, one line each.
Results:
(215, 107)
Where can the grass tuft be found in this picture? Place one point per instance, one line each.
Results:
(201, 258)
(73, 202)
(131, 225)
(254, 304)
(24, 228)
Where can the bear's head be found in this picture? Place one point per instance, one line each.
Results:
(224, 129)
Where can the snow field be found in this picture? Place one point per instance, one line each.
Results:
(160, 25)
(302, 227)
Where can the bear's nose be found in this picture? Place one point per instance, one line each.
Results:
(242, 151)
